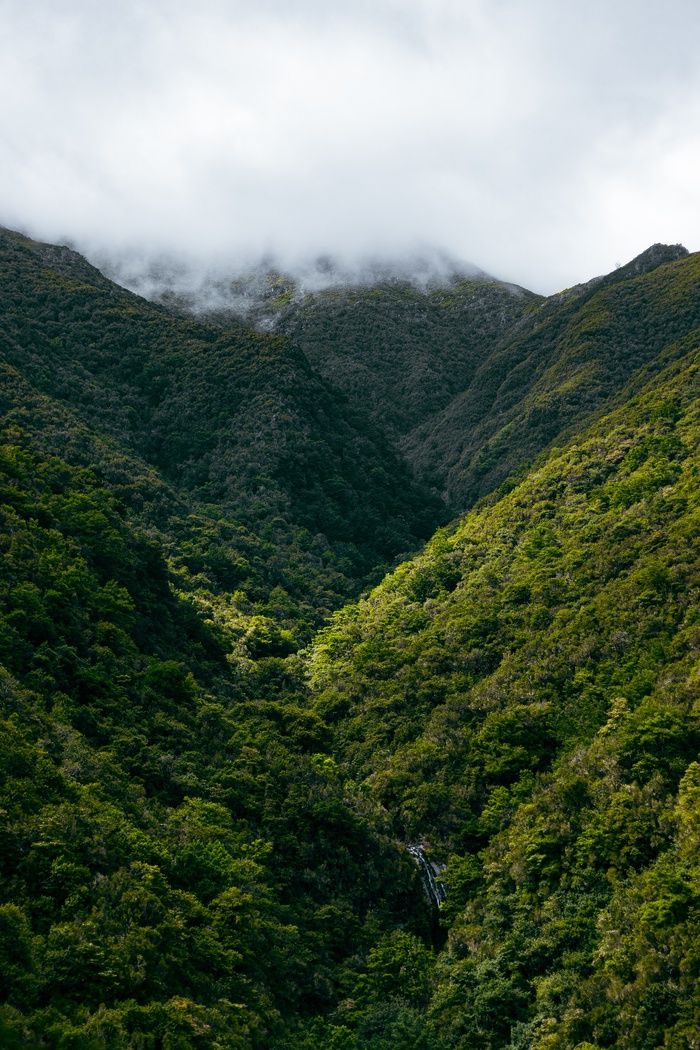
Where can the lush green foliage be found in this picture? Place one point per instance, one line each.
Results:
(474, 380)
(401, 352)
(238, 421)
(525, 694)
(203, 831)
(178, 864)
(569, 359)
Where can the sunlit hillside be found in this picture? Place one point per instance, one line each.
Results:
(278, 774)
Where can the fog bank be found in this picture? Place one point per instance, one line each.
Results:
(540, 141)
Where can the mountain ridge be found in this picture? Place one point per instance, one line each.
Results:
(524, 695)
(169, 389)
(211, 810)
(407, 355)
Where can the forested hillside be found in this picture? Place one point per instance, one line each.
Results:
(570, 360)
(401, 351)
(238, 420)
(524, 697)
(468, 379)
(179, 867)
(471, 381)
(210, 810)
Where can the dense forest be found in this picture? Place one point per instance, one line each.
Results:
(253, 733)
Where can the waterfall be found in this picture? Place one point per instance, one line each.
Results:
(434, 890)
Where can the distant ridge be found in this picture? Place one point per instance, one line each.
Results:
(468, 377)
(229, 293)
(234, 418)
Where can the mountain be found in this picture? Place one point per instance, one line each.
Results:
(212, 837)
(178, 863)
(469, 378)
(403, 351)
(471, 381)
(567, 361)
(523, 698)
(238, 421)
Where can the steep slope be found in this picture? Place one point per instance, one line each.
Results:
(472, 381)
(266, 590)
(176, 853)
(566, 361)
(239, 420)
(403, 351)
(524, 698)
(201, 849)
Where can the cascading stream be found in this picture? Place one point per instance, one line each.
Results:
(435, 891)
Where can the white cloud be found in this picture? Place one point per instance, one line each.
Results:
(543, 141)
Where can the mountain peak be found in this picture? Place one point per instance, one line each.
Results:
(654, 256)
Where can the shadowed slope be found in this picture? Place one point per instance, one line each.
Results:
(473, 380)
(238, 419)
(401, 351)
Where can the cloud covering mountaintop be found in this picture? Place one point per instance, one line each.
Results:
(543, 142)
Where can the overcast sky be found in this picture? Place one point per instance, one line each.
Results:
(543, 140)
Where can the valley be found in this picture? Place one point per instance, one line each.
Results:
(402, 581)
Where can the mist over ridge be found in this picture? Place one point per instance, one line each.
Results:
(349, 525)
(543, 142)
(251, 288)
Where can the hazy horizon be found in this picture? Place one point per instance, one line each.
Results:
(540, 143)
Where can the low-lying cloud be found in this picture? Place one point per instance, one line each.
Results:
(542, 141)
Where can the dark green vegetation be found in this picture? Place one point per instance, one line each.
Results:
(178, 866)
(237, 422)
(203, 830)
(470, 382)
(402, 353)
